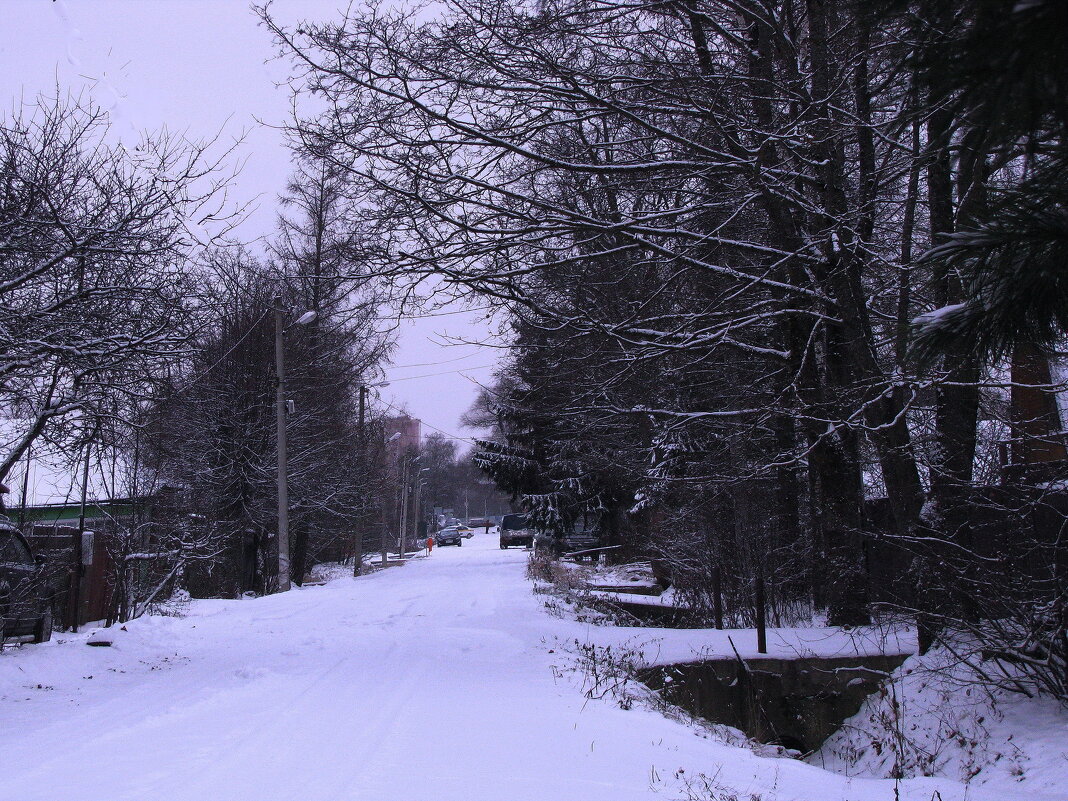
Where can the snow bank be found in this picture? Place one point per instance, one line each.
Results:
(666, 646)
(934, 719)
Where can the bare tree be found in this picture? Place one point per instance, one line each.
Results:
(95, 270)
(702, 221)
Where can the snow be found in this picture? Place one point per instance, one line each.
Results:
(948, 725)
(660, 646)
(937, 317)
(441, 680)
(638, 576)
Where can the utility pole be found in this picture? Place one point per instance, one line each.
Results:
(79, 543)
(406, 467)
(284, 581)
(385, 529)
(283, 487)
(419, 516)
(416, 512)
(361, 461)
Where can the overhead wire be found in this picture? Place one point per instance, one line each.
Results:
(230, 350)
(256, 322)
(444, 372)
(431, 364)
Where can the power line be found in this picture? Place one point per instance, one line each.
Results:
(444, 372)
(431, 364)
(468, 440)
(218, 361)
(408, 317)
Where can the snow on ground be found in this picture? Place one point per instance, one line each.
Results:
(441, 680)
(636, 576)
(934, 719)
(662, 646)
(659, 646)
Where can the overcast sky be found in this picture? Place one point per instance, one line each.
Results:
(203, 66)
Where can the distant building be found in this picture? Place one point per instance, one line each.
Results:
(410, 430)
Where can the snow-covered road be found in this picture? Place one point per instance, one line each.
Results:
(430, 682)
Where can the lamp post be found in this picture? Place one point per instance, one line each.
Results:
(363, 411)
(406, 485)
(284, 581)
(418, 503)
(385, 533)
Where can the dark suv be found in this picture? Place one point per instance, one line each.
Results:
(24, 611)
(515, 531)
(449, 536)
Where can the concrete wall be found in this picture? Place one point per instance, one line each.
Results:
(797, 703)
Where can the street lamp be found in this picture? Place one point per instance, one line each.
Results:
(419, 516)
(407, 461)
(363, 404)
(385, 533)
(284, 581)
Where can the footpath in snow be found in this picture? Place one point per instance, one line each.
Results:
(443, 680)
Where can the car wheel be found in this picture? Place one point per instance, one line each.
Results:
(459, 543)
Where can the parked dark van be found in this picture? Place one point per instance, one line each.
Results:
(25, 613)
(515, 531)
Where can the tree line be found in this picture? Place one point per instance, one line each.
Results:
(764, 266)
(138, 353)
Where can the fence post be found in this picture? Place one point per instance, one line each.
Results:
(761, 617)
(717, 597)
